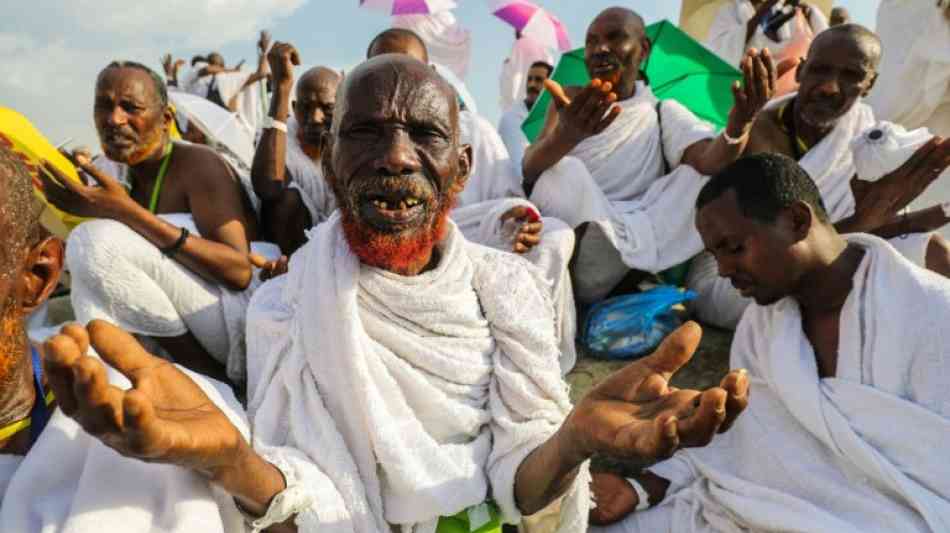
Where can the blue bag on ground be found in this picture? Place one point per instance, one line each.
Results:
(632, 325)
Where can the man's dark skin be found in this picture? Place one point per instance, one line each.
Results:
(841, 67)
(839, 16)
(284, 217)
(133, 129)
(396, 133)
(535, 83)
(30, 266)
(616, 46)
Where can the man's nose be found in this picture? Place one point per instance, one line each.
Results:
(399, 157)
(829, 86)
(318, 116)
(726, 266)
(118, 117)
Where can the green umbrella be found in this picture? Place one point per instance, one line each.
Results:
(678, 68)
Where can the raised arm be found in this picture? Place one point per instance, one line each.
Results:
(568, 122)
(268, 172)
(710, 156)
(262, 72)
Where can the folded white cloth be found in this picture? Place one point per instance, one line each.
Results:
(397, 400)
(509, 128)
(251, 101)
(71, 482)
(119, 276)
(727, 34)
(854, 452)
(306, 176)
(884, 147)
(447, 42)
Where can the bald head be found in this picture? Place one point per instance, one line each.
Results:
(615, 49)
(855, 37)
(839, 15)
(313, 107)
(628, 18)
(398, 41)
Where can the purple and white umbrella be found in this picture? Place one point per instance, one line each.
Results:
(409, 7)
(532, 20)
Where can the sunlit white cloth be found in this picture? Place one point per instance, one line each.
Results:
(447, 42)
(512, 135)
(853, 452)
(398, 400)
(514, 71)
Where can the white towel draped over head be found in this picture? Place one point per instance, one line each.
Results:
(397, 400)
(447, 42)
(307, 177)
(859, 451)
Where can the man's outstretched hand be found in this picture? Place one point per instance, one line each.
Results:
(635, 414)
(588, 113)
(165, 417)
(529, 232)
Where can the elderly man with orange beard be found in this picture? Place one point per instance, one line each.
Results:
(401, 378)
(54, 476)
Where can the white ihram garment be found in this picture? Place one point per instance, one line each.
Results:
(306, 177)
(70, 482)
(514, 71)
(119, 276)
(858, 452)
(641, 218)
(727, 34)
(512, 135)
(492, 190)
(447, 42)
(398, 400)
(831, 166)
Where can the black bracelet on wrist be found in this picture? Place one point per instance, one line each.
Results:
(172, 250)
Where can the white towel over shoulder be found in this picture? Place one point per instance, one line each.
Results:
(397, 400)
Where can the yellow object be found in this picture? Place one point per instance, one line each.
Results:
(16, 427)
(696, 16)
(18, 133)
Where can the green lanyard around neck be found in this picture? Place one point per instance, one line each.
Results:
(157, 188)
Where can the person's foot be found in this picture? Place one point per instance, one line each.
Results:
(614, 496)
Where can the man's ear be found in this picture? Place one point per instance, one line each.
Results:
(800, 217)
(326, 153)
(44, 264)
(871, 83)
(465, 168)
(647, 46)
(799, 69)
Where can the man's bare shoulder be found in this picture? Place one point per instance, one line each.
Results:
(768, 135)
(203, 165)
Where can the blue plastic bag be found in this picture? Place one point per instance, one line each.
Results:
(632, 325)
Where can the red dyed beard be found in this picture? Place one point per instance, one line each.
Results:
(12, 347)
(405, 254)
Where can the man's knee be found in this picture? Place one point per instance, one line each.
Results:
(97, 242)
(938, 255)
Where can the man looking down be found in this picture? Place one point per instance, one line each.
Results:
(399, 374)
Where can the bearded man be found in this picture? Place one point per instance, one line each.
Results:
(816, 126)
(54, 476)
(598, 162)
(168, 256)
(286, 171)
(402, 377)
(491, 209)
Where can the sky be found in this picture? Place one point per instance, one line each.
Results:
(52, 50)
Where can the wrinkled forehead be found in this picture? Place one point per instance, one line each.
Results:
(124, 81)
(396, 88)
(318, 84)
(613, 20)
(841, 48)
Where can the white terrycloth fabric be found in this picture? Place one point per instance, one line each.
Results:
(512, 135)
(397, 400)
(306, 176)
(447, 42)
(70, 482)
(883, 148)
(514, 71)
(615, 179)
(855, 452)
(251, 101)
(119, 276)
(727, 34)
(492, 190)
(831, 166)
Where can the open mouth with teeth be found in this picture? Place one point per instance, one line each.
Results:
(392, 211)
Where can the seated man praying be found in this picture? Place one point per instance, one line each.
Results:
(401, 378)
(53, 475)
(816, 126)
(848, 368)
(167, 258)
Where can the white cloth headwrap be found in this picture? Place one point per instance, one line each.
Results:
(307, 177)
(394, 399)
(866, 437)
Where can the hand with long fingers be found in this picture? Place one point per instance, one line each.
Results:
(759, 79)
(529, 233)
(588, 113)
(165, 417)
(877, 203)
(635, 414)
(282, 58)
(269, 269)
(107, 200)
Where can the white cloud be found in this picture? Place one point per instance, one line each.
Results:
(51, 56)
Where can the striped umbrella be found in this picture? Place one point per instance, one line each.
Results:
(409, 7)
(530, 19)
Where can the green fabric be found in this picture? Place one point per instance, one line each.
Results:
(460, 524)
(679, 68)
